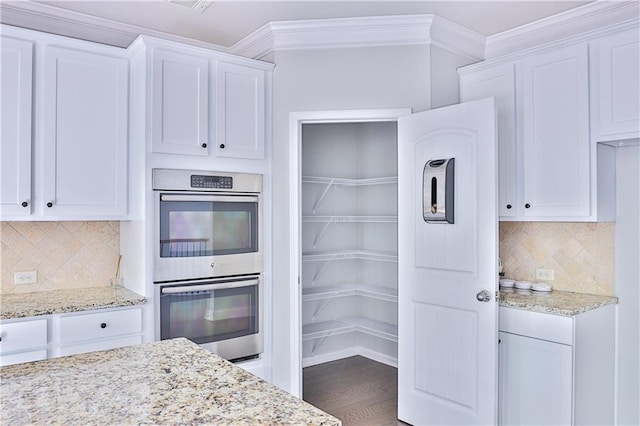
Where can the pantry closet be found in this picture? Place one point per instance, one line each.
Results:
(349, 237)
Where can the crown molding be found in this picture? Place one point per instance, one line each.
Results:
(584, 19)
(362, 32)
(68, 23)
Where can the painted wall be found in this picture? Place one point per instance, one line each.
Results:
(333, 79)
(581, 254)
(66, 255)
(627, 270)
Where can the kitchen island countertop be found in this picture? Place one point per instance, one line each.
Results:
(168, 382)
(21, 305)
(555, 302)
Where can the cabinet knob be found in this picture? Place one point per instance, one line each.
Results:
(103, 325)
(526, 206)
(25, 203)
(49, 204)
(508, 206)
(204, 145)
(222, 146)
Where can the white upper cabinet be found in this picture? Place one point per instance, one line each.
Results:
(555, 133)
(180, 103)
(499, 82)
(615, 86)
(15, 149)
(240, 111)
(549, 169)
(74, 97)
(85, 116)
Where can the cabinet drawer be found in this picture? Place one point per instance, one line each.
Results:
(554, 328)
(23, 335)
(100, 325)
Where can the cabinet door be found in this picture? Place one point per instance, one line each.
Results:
(616, 86)
(15, 147)
(180, 103)
(85, 134)
(240, 111)
(555, 133)
(499, 82)
(535, 381)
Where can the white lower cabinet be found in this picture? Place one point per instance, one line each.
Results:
(556, 370)
(23, 341)
(99, 330)
(535, 381)
(50, 336)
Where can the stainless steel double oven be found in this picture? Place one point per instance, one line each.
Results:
(208, 259)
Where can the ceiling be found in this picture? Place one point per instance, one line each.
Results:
(226, 22)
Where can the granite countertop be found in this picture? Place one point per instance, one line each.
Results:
(23, 305)
(555, 302)
(167, 382)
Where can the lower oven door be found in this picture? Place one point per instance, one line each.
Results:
(223, 316)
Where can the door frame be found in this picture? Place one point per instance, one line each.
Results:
(296, 120)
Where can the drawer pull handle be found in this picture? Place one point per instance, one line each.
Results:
(103, 325)
(221, 146)
(25, 204)
(49, 204)
(204, 145)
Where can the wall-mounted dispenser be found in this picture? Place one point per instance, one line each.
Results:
(437, 191)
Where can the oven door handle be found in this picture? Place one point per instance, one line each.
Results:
(209, 198)
(206, 287)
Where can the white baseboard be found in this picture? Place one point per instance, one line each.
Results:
(330, 356)
(379, 357)
(352, 351)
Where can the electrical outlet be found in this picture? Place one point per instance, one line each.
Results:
(544, 274)
(28, 277)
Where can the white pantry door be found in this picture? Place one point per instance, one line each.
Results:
(447, 337)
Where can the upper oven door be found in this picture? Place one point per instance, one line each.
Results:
(206, 235)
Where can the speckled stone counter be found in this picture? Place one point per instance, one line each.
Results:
(167, 382)
(61, 301)
(555, 302)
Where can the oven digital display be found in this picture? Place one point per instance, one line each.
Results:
(221, 182)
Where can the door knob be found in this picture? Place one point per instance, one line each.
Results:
(483, 296)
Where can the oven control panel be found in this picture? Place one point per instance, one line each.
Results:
(218, 182)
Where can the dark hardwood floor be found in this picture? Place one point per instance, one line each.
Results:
(356, 390)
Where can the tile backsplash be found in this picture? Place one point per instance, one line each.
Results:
(65, 254)
(581, 254)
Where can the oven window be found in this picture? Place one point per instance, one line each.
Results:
(209, 316)
(204, 228)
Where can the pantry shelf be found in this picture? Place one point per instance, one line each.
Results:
(349, 255)
(350, 182)
(322, 330)
(351, 289)
(350, 219)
